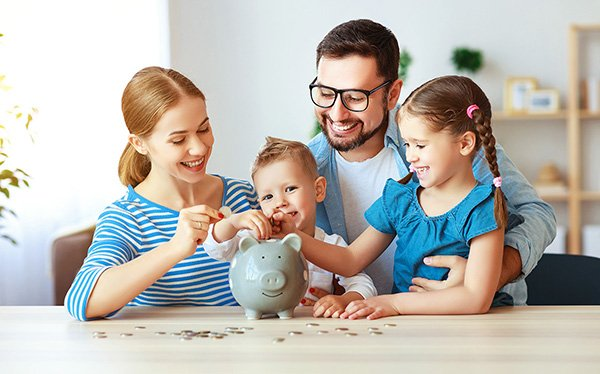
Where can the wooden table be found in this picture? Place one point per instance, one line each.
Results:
(507, 340)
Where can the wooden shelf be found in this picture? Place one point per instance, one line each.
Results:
(573, 118)
(584, 114)
(590, 195)
(508, 116)
(553, 197)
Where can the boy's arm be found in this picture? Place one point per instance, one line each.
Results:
(361, 283)
(222, 251)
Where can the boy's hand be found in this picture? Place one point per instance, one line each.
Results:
(371, 308)
(253, 220)
(332, 305)
(283, 224)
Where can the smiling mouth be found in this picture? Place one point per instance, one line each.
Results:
(279, 294)
(342, 128)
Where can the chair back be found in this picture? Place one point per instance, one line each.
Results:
(561, 279)
(68, 252)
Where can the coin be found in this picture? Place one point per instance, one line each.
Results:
(278, 340)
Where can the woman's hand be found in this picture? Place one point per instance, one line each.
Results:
(192, 227)
(371, 308)
(456, 276)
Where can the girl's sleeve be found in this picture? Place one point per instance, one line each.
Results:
(384, 214)
(479, 219)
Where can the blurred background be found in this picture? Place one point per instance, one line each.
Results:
(71, 60)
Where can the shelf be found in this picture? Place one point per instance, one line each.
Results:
(507, 116)
(556, 197)
(590, 195)
(589, 115)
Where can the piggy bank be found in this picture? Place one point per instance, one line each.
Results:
(269, 276)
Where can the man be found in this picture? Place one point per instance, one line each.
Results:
(355, 95)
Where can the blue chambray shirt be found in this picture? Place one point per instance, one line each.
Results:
(531, 226)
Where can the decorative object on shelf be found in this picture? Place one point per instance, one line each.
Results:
(543, 101)
(516, 91)
(405, 62)
(590, 94)
(467, 60)
(13, 118)
(549, 181)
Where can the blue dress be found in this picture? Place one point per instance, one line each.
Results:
(398, 212)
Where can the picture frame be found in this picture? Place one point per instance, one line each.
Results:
(543, 101)
(516, 91)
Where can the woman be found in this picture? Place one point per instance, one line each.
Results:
(147, 245)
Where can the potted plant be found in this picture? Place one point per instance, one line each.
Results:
(12, 117)
(467, 60)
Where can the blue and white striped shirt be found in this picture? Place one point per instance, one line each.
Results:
(132, 226)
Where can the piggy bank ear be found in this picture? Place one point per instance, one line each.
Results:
(293, 241)
(247, 242)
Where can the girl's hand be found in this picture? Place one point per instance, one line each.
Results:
(254, 220)
(192, 227)
(371, 308)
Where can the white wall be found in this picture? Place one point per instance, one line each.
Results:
(255, 59)
(71, 60)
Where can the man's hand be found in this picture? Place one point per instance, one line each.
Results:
(511, 269)
(456, 276)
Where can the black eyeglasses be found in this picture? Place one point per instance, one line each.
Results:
(353, 99)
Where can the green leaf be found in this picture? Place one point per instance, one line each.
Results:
(10, 239)
(5, 191)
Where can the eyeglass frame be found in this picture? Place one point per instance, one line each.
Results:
(340, 92)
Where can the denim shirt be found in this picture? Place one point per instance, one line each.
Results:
(531, 227)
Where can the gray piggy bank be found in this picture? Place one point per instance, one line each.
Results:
(269, 276)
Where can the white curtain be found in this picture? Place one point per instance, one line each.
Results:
(71, 60)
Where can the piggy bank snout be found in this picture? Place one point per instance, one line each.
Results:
(272, 280)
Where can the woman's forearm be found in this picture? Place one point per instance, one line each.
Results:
(120, 284)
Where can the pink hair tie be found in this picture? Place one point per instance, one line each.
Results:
(470, 110)
(498, 182)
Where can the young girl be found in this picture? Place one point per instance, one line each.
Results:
(447, 212)
(146, 245)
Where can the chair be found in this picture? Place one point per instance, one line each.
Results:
(561, 279)
(68, 252)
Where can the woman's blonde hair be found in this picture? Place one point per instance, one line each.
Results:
(149, 94)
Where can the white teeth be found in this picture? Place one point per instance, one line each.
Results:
(193, 164)
(343, 128)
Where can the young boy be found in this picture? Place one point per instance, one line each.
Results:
(286, 180)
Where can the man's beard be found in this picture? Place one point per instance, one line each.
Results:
(358, 141)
